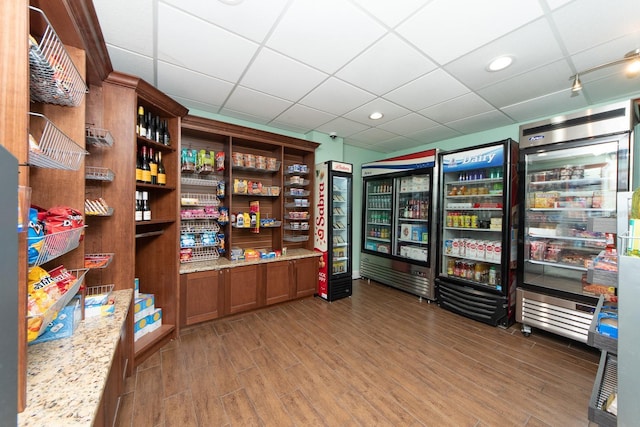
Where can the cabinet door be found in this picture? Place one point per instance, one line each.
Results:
(201, 296)
(242, 289)
(306, 276)
(278, 282)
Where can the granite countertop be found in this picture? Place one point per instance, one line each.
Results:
(66, 377)
(220, 263)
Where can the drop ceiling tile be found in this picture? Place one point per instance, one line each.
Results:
(430, 89)
(132, 30)
(302, 117)
(336, 97)
(255, 103)
(390, 110)
(434, 134)
(244, 116)
(343, 127)
(471, 69)
(390, 13)
(373, 136)
(545, 106)
(395, 144)
(195, 107)
(604, 53)
(611, 87)
(408, 124)
(463, 106)
(587, 23)
(251, 19)
(201, 46)
(484, 121)
(554, 4)
(324, 34)
(549, 78)
(292, 81)
(448, 29)
(201, 88)
(132, 63)
(389, 63)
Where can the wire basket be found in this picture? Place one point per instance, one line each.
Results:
(54, 245)
(199, 227)
(199, 181)
(98, 137)
(54, 77)
(53, 149)
(198, 254)
(199, 199)
(97, 261)
(98, 174)
(51, 313)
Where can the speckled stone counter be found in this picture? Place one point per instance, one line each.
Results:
(220, 263)
(66, 377)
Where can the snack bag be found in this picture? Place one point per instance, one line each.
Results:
(220, 161)
(35, 236)
(62, 218)
(43, 291)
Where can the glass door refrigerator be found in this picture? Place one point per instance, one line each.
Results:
(477, 250)
(571, 169)
(397, 221)
(332, 232)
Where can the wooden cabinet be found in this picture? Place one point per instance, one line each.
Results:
(242, 289)
(306, 276)
(202, 296)
(147, 250)
(278, 284)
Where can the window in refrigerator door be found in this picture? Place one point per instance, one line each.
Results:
(570, 210)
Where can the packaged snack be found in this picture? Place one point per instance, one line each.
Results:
(187, 240)
(63, 278)
(220, 161)
(35, 236)
(223, 217)
(221, 249)
(43, 291)
(221, 188)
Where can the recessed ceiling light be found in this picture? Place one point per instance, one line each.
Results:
(231, 2)
(376, 116)
(500, 63)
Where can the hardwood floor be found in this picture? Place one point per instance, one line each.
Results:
(379, 358)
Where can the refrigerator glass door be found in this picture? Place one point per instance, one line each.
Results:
(341, 209)
(378, 202)
(472, 232)
(411, 226)
(570, 204)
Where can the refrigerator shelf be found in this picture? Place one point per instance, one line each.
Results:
(558, 264)
(379, 239)
(497, 230)
(607, 210)
(418, 242)
(474, 181)
(487, 261)
(576, 239)
(466, 196)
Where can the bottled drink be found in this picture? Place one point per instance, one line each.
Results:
(153, 167)
(138, 167)
(450, 266)
(166, 136)
(146, 208)
(149, 132)
(146, 168)
(162, 175)
(156, 130)
(141, 127)
(138, 215)
(492, 276)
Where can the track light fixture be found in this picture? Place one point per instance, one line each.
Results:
(632, 70)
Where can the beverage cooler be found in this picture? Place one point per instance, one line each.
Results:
(333, 233)
(571, 168)
(477, 251)
(397, 220)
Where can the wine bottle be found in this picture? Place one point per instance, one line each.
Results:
(138, 166)
(146, 208)
(156, 130)
(141, 128)
(149, 133)
(153, 166)
(162, 176)
(138, 206)
(146, 168)
(167, 135)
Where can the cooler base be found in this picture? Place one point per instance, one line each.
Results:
(415, 279)
(473, 303)
(338, 290)
(557, 315)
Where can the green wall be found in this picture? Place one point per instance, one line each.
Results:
(335, 149)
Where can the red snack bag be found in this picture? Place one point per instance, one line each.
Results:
(63, 278)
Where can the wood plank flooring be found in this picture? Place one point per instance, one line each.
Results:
(379, 358)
